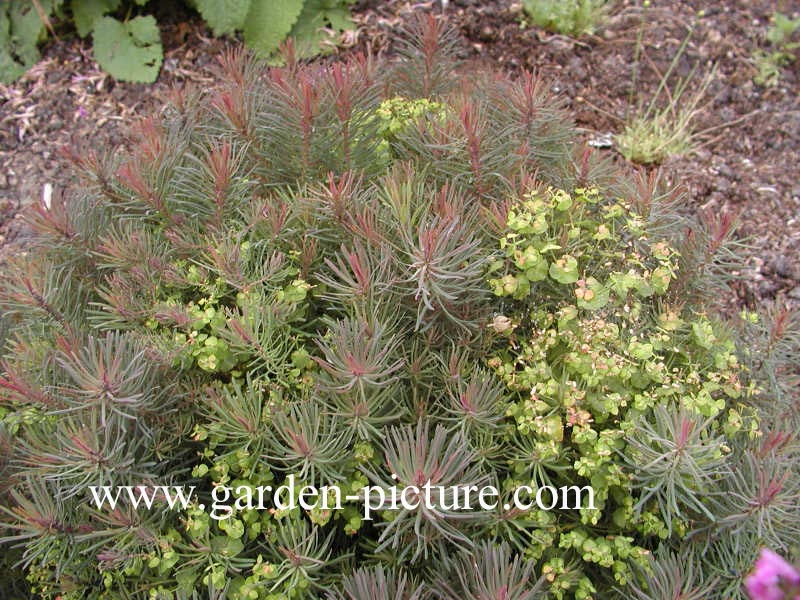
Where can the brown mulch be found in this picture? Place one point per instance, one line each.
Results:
(746, 162)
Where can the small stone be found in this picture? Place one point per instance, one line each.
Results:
(782, 266)
(702, 155)
(723, 186)
(768, 288)
(3, 181)
(487, 34)
(727, 114)
(54, 124)
(794, 293)
(576, 67)
(726, 171)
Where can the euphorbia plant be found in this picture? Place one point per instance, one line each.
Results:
(386, 276)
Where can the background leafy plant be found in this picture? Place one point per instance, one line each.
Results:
(130, 49)
(570, 17)
(783, 49)
(21, 29)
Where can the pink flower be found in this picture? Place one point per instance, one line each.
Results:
(773, 579)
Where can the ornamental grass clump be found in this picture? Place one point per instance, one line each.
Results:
(365, 277)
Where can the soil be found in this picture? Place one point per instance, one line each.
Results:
(745, 162)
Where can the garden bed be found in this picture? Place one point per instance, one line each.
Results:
(394, 276)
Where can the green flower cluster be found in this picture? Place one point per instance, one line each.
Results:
(394, 116)
(594, 346)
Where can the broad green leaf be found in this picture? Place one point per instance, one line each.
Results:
(532, 262)
(224, 16)
(640, 350)
(593, 296)
(227, 546)
(10, 69)
(315, 24)
(269, 22)
(783, 29)
(660, 279)
(86, 12)
(186, 579)
(335, 13)
(129, 51)
(26, 28)
(538, 272)
(565, 269)
(703, 334)
(622, 283)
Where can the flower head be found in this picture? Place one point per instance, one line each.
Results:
(773, 579)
